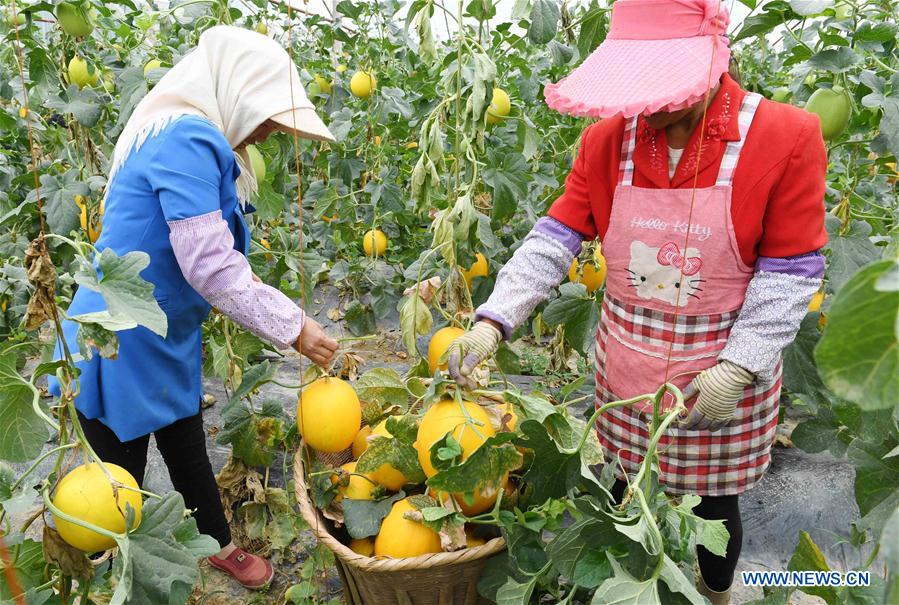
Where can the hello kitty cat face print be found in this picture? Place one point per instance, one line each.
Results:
(665, 273)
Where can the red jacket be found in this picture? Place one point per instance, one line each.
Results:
(778, 186)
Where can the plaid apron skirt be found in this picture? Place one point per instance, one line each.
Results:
(725, 462)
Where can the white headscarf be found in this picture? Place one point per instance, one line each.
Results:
(235, 78)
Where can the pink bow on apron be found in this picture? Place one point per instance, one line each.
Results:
(675, 285)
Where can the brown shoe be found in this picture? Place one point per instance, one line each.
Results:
(249, 570)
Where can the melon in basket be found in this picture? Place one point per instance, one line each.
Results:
(468, 422)
(400, 537)
(386, 475)
(358, 487)
(329, 415)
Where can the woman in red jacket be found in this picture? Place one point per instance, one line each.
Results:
(708, 201)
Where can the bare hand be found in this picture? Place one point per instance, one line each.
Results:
(315, 344)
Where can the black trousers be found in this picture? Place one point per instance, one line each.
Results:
(183, 447)
(718, 572)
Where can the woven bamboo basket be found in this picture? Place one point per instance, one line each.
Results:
(447, 578)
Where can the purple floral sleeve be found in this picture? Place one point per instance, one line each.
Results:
(204, 249)
(539, 265)
(776, 301)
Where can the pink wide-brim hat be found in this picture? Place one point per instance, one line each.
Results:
(658, 55)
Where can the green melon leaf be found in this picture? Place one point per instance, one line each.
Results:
(847, 252)
(22, 431)
(483, 468)
(397, 451)
(158, 561)
(83, 104)
(126, 293)
(363, 517)
(808, 557)
(552, 472)
(858, 356)
(799, 370)
(383, 386)
(544, 20)
(577, 311)
(58, 194)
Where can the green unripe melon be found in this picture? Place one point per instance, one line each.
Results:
(151, 65)
(74, 20)
(15, 20)
(79, 74)
(781, 95)
(258, 162)
(834, 109)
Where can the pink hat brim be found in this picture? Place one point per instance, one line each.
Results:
(631, 77)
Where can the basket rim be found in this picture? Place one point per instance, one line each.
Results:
(371, 564)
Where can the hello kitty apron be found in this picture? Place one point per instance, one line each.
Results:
(675, 285)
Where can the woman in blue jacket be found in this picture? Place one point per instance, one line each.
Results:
(178, 186)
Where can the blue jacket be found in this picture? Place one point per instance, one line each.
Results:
(186, 170)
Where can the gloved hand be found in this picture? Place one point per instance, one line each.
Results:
(470, 349)
(720, 389)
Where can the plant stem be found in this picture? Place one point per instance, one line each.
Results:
(654, 528)
(654, 425)
(850, 142)
(654, 442)
(20, 344)
(355, 338)
(186, 4)
(36, 406)
(881, 64)
(599, 411)
(137, 490)
(873, 556)
(461, 42)
(45, 493)
(491, 395)
(40, 459)
(287, 386)
(85, 591)
(797, 39)
(570, 402)
(78, 246)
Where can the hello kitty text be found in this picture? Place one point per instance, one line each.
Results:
(701, 232)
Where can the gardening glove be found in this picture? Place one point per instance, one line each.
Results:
(720, 389)
(470, 349)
